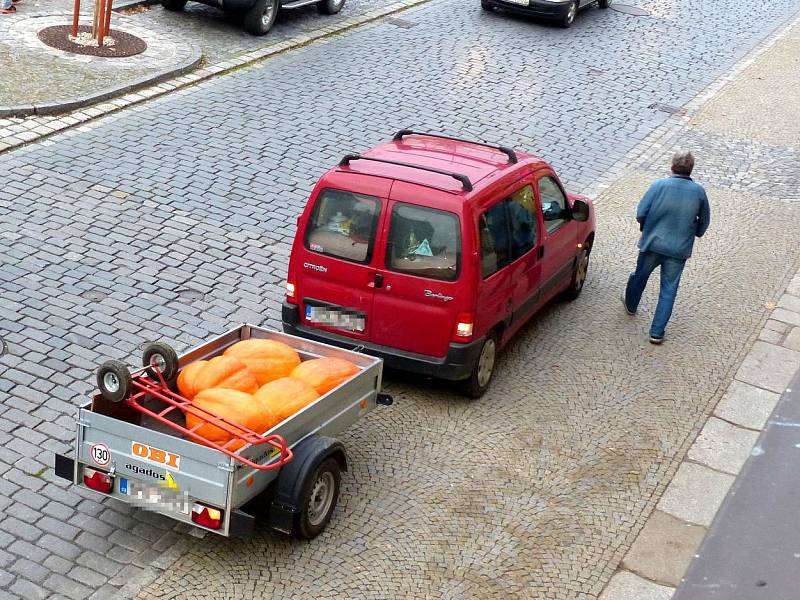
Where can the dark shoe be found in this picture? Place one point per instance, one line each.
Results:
(625, 304)
(8, 11)
(654, 339)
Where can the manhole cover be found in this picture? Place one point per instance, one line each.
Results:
(627, 9)
(94, 295)
(673, 110)
(124, 44)
(402, 23)
(188, 296)
(3, 347)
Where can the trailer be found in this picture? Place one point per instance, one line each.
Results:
(132, 444)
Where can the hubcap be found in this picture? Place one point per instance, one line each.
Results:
(571, 13)
(321, 498)
(581, 269)
(486, 363)
(111, 382)
(266, 18)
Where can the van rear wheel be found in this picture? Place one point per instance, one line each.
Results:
(479, 379)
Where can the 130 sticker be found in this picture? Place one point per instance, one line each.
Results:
(100, 454)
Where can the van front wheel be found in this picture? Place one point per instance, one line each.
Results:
(479, 379)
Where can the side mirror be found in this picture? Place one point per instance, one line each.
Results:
(580, 211)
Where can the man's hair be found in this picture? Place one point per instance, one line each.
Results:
(682, 162)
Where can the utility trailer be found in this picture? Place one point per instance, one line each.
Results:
(132, 444)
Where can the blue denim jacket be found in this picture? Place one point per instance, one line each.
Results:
(672, 213)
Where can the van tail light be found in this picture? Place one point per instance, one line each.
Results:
(464, 325)
(291, 292)
(99, 481)
(207, 516)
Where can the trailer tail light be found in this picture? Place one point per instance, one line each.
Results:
(98, 480)
(464, 326)
(291, 293)
(207, 516)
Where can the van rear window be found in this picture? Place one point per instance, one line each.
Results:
(343, 225)
(424, 242)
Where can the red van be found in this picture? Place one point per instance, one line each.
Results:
(431, 252)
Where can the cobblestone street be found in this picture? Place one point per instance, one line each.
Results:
(534, 491)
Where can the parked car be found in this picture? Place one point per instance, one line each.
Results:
(563, 11)
(431, 252)
(259, 15)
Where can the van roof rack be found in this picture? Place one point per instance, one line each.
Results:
(466, 184)
(512, 156)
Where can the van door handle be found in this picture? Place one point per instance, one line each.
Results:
(378, 280)
(541, 251)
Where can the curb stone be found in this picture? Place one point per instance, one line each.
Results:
(169, 82)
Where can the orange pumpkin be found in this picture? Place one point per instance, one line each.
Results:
(268, 360)
(219, 372)
(324, 374)
(286, 396)
(232, 405)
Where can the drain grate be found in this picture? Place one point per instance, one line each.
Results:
(94, 295)
(633, 11)
(401, 23)
(673, 110)
(187, 295)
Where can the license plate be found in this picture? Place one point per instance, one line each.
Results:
(153, 497)
(349, 320)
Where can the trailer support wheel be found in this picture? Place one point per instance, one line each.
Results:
(114, 380)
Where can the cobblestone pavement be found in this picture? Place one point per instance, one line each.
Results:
(535, 490)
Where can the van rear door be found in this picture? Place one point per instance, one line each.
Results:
(419, 295)
(335, 266)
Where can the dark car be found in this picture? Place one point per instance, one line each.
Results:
(563, 11)
(259, 15)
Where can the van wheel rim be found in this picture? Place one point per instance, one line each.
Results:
(486, 363)
(581, 269)
(266, 18)
(321, 498)
(571, 13)
(111, 382)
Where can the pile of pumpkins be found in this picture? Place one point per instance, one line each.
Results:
(257, 384)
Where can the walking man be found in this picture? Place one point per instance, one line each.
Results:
(673, 211)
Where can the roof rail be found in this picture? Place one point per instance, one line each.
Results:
(512, 156)
(466, 184)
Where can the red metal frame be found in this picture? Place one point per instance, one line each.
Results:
(160, 390)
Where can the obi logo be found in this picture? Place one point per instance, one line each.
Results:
(156, 456)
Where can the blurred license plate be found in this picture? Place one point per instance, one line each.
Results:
(154, 497)
(348, 320)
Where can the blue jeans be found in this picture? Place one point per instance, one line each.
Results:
(671, 269)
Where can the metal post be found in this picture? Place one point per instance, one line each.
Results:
(75, 16)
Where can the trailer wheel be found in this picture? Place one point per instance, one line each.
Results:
(319, 499)
(114, 380)
(163, 356)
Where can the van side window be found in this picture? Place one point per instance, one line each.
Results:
(424, 242)
(553, 203)
(493, 233)
(343, 225)
(522, 219)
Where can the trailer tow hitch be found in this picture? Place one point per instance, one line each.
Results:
(384, 399)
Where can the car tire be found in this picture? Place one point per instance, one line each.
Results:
(330, 7)
(568, 19)
(114, 380)
(480, 378)
(579, 272)
(319, 499)
(175, 5)
(603, 3)
(258, 20)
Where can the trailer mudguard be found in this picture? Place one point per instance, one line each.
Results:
(288, 490)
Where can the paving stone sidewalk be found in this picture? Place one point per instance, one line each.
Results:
(748, 129)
